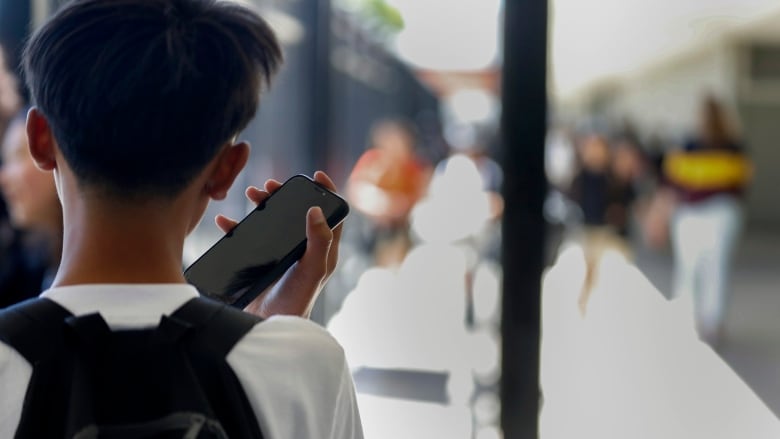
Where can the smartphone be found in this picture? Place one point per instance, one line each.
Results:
(265, 244)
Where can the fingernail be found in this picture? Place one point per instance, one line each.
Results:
(316, 215)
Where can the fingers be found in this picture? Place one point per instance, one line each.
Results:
(323, 179)
(329, 239)
(297, 290)
(255, 195)
(319, 238)
(224, 223)
(272, 185)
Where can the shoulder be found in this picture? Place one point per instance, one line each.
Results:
(20, 333)
(15, 373)
(292, 339)
(10, 360)
(289, 366)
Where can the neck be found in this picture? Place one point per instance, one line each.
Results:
(106, 242)
(52, 232)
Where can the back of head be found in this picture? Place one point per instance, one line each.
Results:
(141, 94)
(595, 153)
(396, 136)
(714, 128)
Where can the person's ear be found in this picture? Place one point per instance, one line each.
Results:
(41, 143)
(228, 164)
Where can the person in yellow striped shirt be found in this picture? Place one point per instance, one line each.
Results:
(708, 178)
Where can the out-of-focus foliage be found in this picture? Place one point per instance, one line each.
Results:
(379, 15)
(385, 14)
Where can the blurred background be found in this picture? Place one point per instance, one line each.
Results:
(660, 144)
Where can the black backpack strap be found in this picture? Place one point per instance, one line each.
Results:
(218, 326)
(60, 391)
(34, 328)
(217, 329)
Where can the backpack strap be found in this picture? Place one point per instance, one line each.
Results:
(44, 333)
(34, 328)
(217, 329)
(48, 319)
(218, 326)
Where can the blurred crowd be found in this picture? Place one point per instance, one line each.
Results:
(421, 269)
(612, 190)
(618, 359)
(428, 233)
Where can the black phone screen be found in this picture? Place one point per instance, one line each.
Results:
(264, 244)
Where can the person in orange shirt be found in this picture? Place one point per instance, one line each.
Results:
(385, 184)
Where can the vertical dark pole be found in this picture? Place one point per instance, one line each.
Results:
(524, 96)
(320, 140)
(320, 77)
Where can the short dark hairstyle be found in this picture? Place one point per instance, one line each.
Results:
(140, 94)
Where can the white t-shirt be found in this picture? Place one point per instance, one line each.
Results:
(293, 372)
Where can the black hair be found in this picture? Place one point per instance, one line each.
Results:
(141, 94)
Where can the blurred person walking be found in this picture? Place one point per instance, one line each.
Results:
(707, 178)
(629, 183)
(463, 208)
(21, 259)
(465, 185)
(384, 185)
(603, 190)
(603, 187)
(35, 215)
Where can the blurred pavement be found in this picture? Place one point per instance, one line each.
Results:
(751, 344)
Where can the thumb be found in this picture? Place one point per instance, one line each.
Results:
(319, 238)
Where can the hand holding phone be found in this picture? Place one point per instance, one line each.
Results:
(255, 240)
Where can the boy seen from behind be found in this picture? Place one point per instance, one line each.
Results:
(137, 108)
